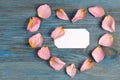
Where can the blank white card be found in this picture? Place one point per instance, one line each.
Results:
(73, 38)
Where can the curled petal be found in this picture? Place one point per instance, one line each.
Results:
(44, 11)
(96, 11)
(80, 14)
(56, 63)
(57, 33)
(87, 64)
(34, 24)
(71, 70)
(106, 40)
(44, 53)
(36, 40)
(108, 23)
(61, 14)
(98, 54)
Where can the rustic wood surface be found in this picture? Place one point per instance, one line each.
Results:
(19, 62)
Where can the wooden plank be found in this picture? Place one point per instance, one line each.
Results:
(19, 61)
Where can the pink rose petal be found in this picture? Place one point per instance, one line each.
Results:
(98, 54)
(34, 24)
(96, 11)
(71, 70)
(61, 14)
(108, 23)
(56, 63)
(80, 14)
(44, 11)
(57, 33)
(44, 53)
(87, 64)
(106, 40)
(36, 40)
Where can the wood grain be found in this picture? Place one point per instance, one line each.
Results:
(19, 62)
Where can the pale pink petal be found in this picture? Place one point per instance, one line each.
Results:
(44, 11)
(98, 54)
(57, 33)
(106, 40)
(56, 63)
(44, 53)
(61, 14)
(34, 24)
(80, 14)
(36, 40)
(96, 11)
(71, 70)
(87, 64)
(108, 23)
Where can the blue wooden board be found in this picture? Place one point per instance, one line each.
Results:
(19, 62)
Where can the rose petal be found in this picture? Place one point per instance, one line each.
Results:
(57, 33)
(36, 40)
(44, 11)
(108, 23)
(80, 14)
(98, 54)
(106, 40)
(71, 70)
(61, 14)
(34, 24)
(44, 53)
(96, 11)
(56, 63)
(87, 64)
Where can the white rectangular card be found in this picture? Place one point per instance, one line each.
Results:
(73, 38)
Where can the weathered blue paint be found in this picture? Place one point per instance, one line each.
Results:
(19, 62)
